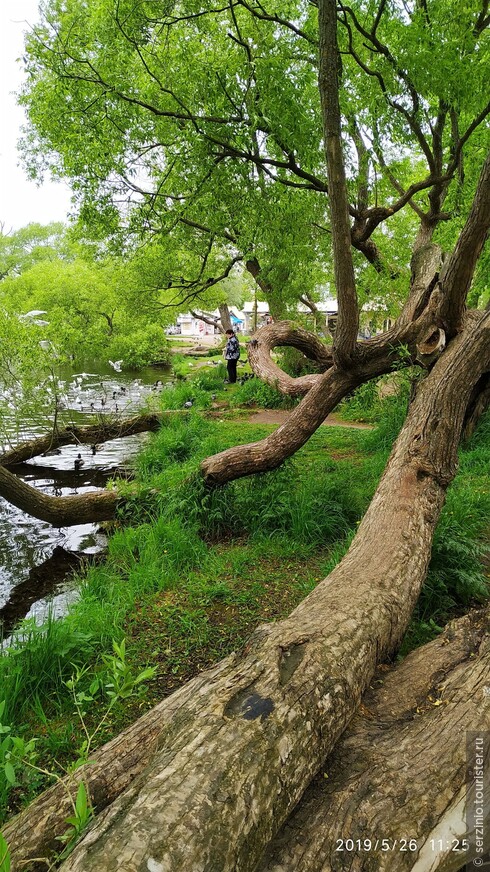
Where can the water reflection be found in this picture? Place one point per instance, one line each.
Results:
(26, 542)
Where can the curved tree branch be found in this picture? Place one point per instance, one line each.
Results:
(282, 333)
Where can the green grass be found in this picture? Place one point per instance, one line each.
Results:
(190, 572)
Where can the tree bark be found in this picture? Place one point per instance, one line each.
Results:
(329, 64)
(239, 754)
(225, 317)
(458, 272)
(282, 333)
(58, 511)
(395, 700)
(399, 772)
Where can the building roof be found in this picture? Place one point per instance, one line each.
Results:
(262, 308)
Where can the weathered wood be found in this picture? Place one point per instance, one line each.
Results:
(398, 774)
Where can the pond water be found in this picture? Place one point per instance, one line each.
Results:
(35, 557)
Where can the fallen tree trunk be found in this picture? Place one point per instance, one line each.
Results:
(92, 434)
(64, 511)
(392, 795)
(237, 756)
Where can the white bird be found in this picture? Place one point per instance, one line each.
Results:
(33, 314)
(116, 365)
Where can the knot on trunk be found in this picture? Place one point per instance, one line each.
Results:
(431, 346)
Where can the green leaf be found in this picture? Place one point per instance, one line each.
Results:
(9, 772)
(81, 803)
(4, 855)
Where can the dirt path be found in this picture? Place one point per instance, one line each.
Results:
(279, 416)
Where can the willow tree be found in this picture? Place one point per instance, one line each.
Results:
(219, 99)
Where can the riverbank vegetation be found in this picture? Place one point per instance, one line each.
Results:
(190, 572)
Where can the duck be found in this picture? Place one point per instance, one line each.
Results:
(78, 463)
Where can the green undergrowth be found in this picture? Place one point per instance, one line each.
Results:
(190, 572)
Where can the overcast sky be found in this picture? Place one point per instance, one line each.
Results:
(21, 201)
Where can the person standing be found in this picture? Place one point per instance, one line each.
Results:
(231, 355)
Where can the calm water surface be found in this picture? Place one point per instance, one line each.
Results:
(25, 542)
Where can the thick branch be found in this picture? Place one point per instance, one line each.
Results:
(458, 272)
(348, 313)
(282, 333)
(58, 511)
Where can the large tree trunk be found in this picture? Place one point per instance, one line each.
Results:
(238, 755)
(392, 795)
(398, 701)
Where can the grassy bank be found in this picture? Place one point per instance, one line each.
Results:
(190, 573)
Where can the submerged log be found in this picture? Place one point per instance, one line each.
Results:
(91, 434)
(74, 509)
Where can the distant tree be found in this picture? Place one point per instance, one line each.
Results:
(21, 249)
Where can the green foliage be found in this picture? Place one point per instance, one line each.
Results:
(13, 752)
(77, 822)
(36, 243)
(116, 680)
(255, 392)
(86, 306)
(247, 166)
(4, 855)
(185, 392)
(27, 379)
